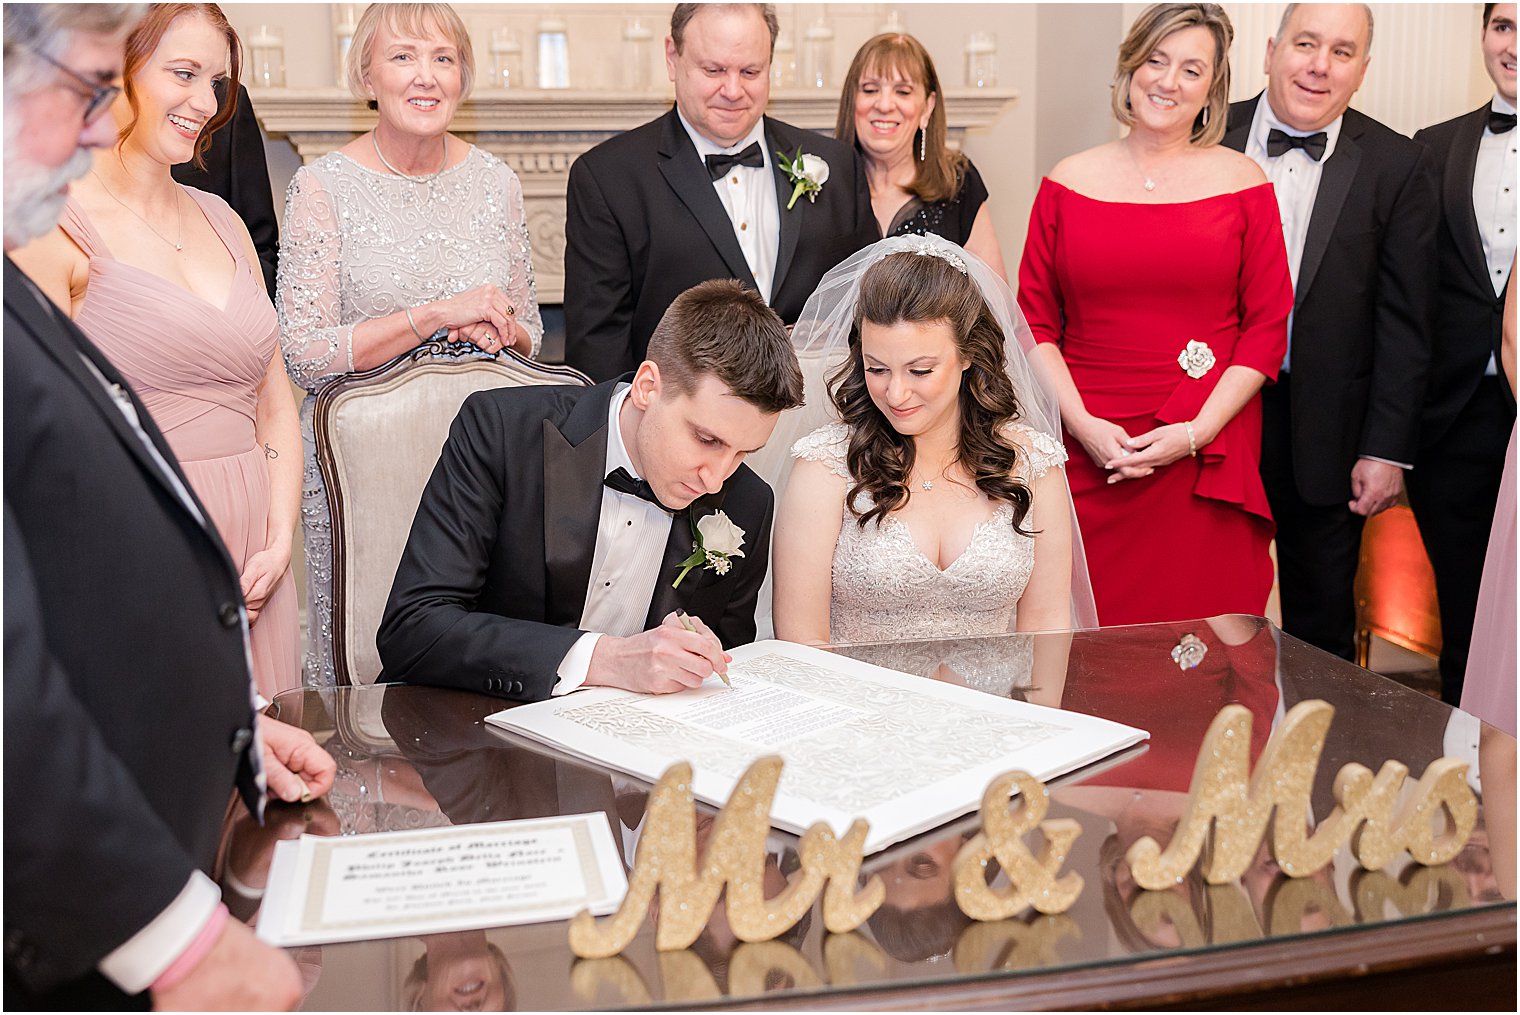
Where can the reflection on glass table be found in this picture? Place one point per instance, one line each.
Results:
(415, 757)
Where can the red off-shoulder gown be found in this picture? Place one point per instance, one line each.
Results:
(1122, 288)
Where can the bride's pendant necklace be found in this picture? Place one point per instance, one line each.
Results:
(427, 179)
(179, 215)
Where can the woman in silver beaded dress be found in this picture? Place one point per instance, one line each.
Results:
(405, 233)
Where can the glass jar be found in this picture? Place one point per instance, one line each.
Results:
(553, 54)
(981, 60)
(784, 63)
(266, 55)
(638, 42)
(818, 55)
(345, 20)
(506, 59)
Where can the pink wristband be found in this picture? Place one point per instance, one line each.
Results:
(188, 959)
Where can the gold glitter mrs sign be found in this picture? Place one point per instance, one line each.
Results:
(1237, 803)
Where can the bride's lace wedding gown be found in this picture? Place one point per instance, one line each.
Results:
(885, 589)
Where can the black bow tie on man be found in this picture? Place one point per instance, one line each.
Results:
(750, 156)
(1280, 141)
(620, 480)
(1500, 123)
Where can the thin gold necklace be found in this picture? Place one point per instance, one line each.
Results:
(179, 214)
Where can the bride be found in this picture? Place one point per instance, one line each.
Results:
(936, 505)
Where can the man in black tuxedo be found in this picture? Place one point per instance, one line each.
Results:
(128, 715)
(1359, 209)
(1469, 409)
(550, 545)
(701, 193)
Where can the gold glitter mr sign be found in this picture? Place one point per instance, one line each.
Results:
(1236, 803)
(735, 858)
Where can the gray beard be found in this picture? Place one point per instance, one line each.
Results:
(34, 195)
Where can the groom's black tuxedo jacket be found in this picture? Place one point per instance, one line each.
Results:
(643, 224)
(1361, 305)
(490, 588)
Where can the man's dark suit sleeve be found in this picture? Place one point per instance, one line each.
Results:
(598, 281)
(1401, 328)
(75, 815)
(432, 632)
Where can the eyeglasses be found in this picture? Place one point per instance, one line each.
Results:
(99, 96)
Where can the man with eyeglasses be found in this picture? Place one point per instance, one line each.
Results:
(128, 715)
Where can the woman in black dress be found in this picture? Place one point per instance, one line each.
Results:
(892, 110)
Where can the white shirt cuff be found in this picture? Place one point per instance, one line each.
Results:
(576, 664)
(143, 957)
(1386, 461)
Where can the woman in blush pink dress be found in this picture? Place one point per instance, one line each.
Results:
(164, 279)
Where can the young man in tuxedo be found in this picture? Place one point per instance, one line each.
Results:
(701, 193)
(1359, 209)
(128, 716)
(1469, 409)
(550, 537)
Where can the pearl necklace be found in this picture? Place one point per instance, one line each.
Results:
(429, 178)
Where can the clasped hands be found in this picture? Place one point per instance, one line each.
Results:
(661, 660)
(485, 318)
(1112, 448)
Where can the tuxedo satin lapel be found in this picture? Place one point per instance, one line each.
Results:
(1456, 197)
(791, 221)
(1334, 184)
(1239, 131)
(684, 171)
(65, 343)
(572, 507)
(678, 546)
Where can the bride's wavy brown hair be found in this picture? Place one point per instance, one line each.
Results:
(918, 288)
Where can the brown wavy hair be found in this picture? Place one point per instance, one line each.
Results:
(915, 288)
(939, 177)
(145, 39)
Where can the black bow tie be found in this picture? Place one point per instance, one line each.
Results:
(1500, 123)
(1279, 141)
(752, 157)
(620, 480)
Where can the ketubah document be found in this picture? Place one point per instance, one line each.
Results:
(905, 753)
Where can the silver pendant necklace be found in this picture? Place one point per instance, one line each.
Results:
(1150, 184)
(179, 214)
(429, 178)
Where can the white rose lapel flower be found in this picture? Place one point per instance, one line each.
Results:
(808, 174)
(715, 539)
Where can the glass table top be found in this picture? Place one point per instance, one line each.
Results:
(411, 757)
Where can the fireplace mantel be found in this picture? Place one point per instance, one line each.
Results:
(539, 133)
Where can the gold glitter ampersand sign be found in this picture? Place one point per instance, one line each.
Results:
(1032, 878)
(667, 862)
(1236, 803)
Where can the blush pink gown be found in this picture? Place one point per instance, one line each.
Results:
(1488, 691)
(197, 368)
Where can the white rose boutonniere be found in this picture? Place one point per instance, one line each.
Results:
(714, 540)
(807, 172)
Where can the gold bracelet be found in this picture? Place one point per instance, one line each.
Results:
(1192, 444)
(413, 323)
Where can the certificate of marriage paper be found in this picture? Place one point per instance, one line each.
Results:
(905, 753)
(324, 889)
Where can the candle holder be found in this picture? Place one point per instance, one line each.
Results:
(784, 62)
(818, 55)
(637, 41)
(506, 59)
(981, 60)
(345, 20)
(266, 57)
(553, 54)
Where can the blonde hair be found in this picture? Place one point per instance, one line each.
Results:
(407, 19)
(1155, 23)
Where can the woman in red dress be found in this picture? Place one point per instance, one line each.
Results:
(1155, 280)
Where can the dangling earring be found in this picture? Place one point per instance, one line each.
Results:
(1205, 116)
(923, 144)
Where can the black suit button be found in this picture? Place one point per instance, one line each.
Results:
(241, 738)
(515, 688)
(227, 613)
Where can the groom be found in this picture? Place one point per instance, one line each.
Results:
(548, 542)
